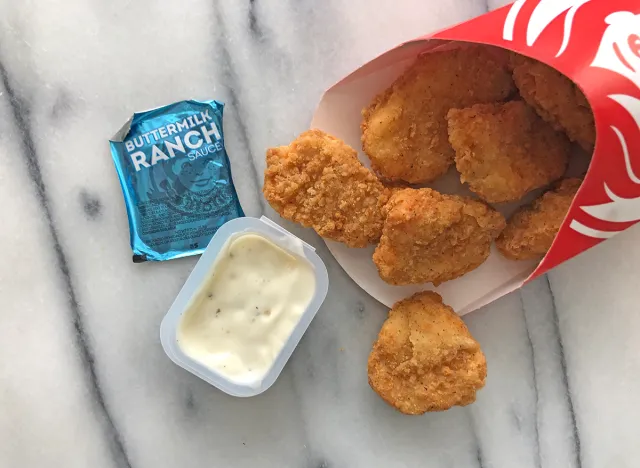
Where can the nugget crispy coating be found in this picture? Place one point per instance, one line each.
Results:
(404, 131)
(425, 359)
(556, 99)
(430, 237)
(319, 182)
(532, 229)
(505, 150)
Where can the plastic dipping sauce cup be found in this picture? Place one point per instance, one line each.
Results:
(245, 306)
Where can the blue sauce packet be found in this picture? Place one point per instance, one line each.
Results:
(176, 179)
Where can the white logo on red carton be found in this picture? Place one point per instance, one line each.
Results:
(543, 15)
(618, 52)
(618, 209)
(619, 49)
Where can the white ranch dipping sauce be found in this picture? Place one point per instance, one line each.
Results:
(245, 311)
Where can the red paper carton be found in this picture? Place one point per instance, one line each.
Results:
(596, 43)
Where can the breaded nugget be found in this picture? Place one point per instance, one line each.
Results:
(319, 182)
(531, 230)
(505, 150)
(425, 359)
(404, 131)
(430, 237)
(556, 99)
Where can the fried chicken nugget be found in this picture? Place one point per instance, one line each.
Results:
(404, 131)
(532, 229)
(430, 237)
(505, 150)
(319, 182)
(556, 99)
(425, 359)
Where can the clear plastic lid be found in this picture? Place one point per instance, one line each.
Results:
(237, 227)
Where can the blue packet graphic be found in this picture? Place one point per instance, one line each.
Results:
(176, 179)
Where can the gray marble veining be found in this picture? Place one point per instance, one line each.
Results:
(83, 379)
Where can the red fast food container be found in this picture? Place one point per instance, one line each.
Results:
(596, 43)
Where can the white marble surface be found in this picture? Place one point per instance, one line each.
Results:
(83, 379)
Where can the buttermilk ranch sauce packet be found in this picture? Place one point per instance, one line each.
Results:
(176, 179)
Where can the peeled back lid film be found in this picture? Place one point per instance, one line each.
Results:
(176, 179)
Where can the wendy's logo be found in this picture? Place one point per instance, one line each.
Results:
(618, 52)
(619, 49)
(197, 187)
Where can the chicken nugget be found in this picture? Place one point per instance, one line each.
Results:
(532, 229)
(425, 359)
(505, 150)
(319, 182)
(404, 131)
(556, 99)
(430, 237)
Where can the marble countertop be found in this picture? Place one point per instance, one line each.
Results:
(83, 379)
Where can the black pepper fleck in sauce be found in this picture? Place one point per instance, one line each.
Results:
(233, 291)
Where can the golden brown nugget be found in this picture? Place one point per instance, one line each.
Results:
(556, 99)
(505, 150)
(532, 229)
(404, 131)
(430, 237)
(425, 359)
(319, 182)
